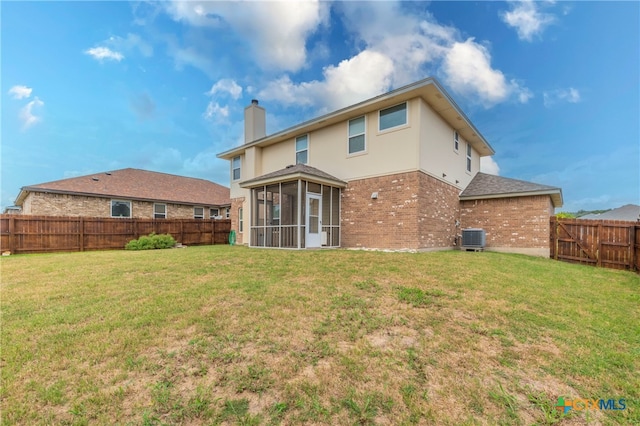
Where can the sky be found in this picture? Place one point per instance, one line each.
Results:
(88, 87)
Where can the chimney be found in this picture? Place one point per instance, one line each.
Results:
(254, 122)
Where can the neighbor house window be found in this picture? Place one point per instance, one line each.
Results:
(236, 168)
(228, 212)
(159, 211)
(302, 145)
(393, 117)
(120, 208)
(356, 135)
(456, 141)
(468, 157)
(198, 212)
(213, 213)
(240, 220)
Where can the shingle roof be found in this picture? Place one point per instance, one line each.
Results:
(297, 170)
(140, 185)
(484, 185)
(627, 212)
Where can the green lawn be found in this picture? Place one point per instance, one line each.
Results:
(230, 335)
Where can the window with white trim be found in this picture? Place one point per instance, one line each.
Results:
(228, 212)
(302, 149)
(213, 213)
(357, 142)
(240, 220)
(468, 157)
(392, 117)
(456, 141)
(159, 211)
(120, 208)
(235, 173)
(198, 212)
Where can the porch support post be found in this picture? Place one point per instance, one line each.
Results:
(300, 204)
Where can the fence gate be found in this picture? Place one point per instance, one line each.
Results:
(606, 243)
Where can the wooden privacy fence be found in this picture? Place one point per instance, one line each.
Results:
(607, 243)
(42, 234)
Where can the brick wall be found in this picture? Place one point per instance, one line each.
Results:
(237, 203)
(515, 224)
(413, 211)
(46, 204)
(438, 211)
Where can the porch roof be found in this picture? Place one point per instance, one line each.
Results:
(294, 172)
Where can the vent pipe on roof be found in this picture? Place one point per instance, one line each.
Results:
(254, 122)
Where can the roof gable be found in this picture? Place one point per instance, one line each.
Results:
(428, 89)
(484, 185)
(140, 185)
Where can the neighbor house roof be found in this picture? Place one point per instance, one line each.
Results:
(627, 212)
(428, 89)
(299, 171)
(139, 185)
(484, 186)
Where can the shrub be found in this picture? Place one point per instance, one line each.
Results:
(151, 242)
(565, 215)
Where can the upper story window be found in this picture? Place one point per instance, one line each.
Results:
(159, 211)
(198, 212)
(456, 141)
(235, 167)
(356, 135)
(213, 213)
(468, 157)
(393, 117)
(227, 213)
(302, 145)
(120, 208)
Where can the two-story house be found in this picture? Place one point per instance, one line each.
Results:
(384, 173)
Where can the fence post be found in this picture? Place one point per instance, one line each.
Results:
(632, 247)
(599, 244)
(12, 235)
(554, 228)
(81, 233)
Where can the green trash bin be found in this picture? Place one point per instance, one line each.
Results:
(232, 238)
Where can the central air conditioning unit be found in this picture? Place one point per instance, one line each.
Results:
(473, 239)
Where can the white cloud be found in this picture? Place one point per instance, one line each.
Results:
(488, 165)
(399, 47)
(104, 53)
(527, 19)
(226, 85)
(276, 31)
(27, 115)
(216, 112)
(20, 92)
(552, 97)
(468, 70)
(365, 75)
(397, 43)
(131, 43)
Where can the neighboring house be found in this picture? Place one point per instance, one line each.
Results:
(629, 212)
(127, 193)
(383, 173)
(12, 210)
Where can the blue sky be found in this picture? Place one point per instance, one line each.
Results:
(96, 86)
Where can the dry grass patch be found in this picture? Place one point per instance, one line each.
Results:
(229, 335)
